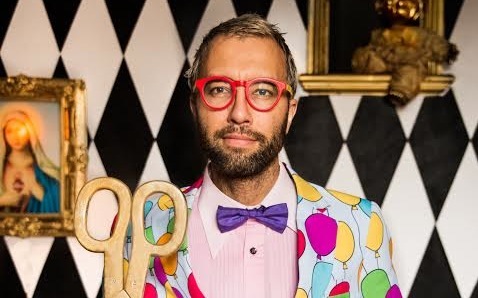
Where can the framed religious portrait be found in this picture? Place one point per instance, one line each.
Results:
(337, 28)
(43, 154)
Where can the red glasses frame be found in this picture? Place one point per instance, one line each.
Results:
(201, 83)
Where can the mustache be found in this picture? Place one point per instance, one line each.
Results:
(243, 130)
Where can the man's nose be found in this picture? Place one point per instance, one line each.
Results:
(241, 110)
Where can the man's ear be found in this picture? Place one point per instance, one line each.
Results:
(291, 113)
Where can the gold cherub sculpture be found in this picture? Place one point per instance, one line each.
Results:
(402, 49)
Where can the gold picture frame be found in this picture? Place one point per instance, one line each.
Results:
(319, 81)
(35, 108)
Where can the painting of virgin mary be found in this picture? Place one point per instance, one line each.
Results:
(29, 180)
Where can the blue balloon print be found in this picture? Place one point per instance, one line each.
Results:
(321, 278)
(147, 207)
(366, 206)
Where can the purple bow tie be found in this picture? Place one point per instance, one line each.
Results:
(274, 217)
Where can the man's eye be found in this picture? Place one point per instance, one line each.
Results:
(263, 92)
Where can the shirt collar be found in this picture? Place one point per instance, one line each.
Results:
(211, 197)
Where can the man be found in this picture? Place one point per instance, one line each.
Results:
(256, 229)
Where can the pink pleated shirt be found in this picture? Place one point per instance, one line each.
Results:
(250, 261)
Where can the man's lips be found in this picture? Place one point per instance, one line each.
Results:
(238, 140)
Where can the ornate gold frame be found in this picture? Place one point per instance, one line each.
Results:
(317, 80)
(70, 95)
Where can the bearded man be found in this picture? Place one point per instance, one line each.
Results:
(255, 228)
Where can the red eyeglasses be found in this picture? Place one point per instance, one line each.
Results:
(262, 94)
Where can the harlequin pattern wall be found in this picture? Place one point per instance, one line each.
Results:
(419, 162)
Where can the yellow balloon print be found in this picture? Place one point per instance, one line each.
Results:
(165, 202)
(125, 270)
(345, 243)
(170, 263)
(169, 290)
(306, 190)
(346, 198)
(375, 234)
(301, 293)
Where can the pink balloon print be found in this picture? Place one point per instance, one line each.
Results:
(340, 288)
(322, 233)
(159, 271)
(300, 243)
(193, 287)
(149, 291)
(394, 292)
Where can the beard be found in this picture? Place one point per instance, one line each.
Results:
(236, 162)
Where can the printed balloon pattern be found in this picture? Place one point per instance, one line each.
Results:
(346, 198)
(305, 190)
(345, 243)
(321, 222)
(322, 233)
(375, 234)
(321, 278)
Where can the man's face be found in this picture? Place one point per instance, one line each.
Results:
(241, 141)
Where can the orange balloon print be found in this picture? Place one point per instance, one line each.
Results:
(301, 293)
(305, 190)
(346, 198)
(375, 234)
(345, 243)
(170, 263)
(165, 202)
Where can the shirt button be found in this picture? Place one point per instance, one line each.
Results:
(253, 251)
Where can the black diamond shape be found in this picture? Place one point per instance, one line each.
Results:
(100, 292)
(60, 70)
(452, 10)
(9, 281)
(3, 72)
(434, 277)
(475, 141)
(61, 15)
(475, 292)
(6, 13)
(302, 5)
(314, 136)
(187, 20)
(124, 138)
(59, 277)
(252, 6)
(438, 140)
(376, 142)
(124, 15)
(177, 139)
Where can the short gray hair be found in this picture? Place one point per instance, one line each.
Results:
(247, 25)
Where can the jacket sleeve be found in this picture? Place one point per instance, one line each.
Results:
(377, 276)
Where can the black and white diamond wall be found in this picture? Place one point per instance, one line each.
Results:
(418, 162)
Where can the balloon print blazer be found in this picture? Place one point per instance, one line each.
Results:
(344, 248)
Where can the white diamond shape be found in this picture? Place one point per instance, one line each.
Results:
(465, 87)
(154, 168)
(29, 256)
(92, 53)
(344, 177)
(29, 46)
(408, 114)
(409, 217)
(217, 11)
(102, 209)
(345, 107)
(286, 15)
(457, 225)
(89, 265)
(155, 59)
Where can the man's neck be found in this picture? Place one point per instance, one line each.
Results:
(248, 191)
